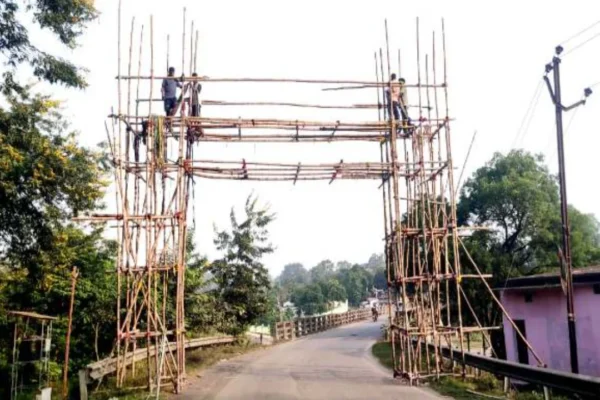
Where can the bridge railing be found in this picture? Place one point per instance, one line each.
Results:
(289, 330)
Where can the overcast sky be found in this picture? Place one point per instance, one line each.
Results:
(496, 57)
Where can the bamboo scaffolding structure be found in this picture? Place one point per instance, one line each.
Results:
(154, 165)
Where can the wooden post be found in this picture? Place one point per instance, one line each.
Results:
(83, 395)
(74, 275)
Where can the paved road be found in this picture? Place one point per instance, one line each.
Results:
(336, 364)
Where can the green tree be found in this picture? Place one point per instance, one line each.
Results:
(323, 270)
(343, 265)
(517, 197)
(376, 261)
(294, 273)
(318, 297)
(357, 281)
(333, 290)
(309, 299)
(380, 278)
(65, 19)
(242, 280)
(45, 178)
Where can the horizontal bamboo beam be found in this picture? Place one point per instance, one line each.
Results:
(286, 104)
(381, 84)
(111, 217)
(275, 80)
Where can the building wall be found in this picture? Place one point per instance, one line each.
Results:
(546, 327)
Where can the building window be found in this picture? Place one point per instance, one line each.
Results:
(528, 297)
(596, 288)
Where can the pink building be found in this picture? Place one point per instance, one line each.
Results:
(538, 306)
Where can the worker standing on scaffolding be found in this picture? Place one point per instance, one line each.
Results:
(169, 92)
(403, 105)
(393, 97)
(195, 103)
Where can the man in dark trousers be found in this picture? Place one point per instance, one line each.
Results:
(169, 92)
(195, 90)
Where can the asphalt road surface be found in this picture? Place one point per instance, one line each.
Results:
(336, 364)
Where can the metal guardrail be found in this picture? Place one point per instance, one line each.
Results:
(575, 383)
(109, 365)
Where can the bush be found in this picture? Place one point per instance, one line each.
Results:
(487, 383)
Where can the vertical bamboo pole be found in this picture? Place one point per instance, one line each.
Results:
(181, 222)
(127, 134)
(395, 185)
(434, 298)
(192, 50)
(183, 44)
(196, 53)
(148, 203)
(119, 243)
(452, 220)
(385, 222)
(168, 52)
(65, 388)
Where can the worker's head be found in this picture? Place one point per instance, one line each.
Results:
(393, 77)
(402, 81)
(171, 71)
(195, 74)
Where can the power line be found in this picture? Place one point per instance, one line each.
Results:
(571, 50)
(580, 32)
(528, 114)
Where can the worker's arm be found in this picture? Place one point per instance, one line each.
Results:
(162, 90)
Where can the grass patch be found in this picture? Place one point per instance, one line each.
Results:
(383, 352)
(206, 356)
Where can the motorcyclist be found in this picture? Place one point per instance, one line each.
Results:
(374, 312)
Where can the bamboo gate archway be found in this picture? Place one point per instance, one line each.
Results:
(154, 165)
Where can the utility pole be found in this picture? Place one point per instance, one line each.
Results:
(567, 266)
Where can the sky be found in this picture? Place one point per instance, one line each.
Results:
(496, 57)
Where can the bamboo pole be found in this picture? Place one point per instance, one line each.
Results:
(65, 388)
(502, 308)
(365, 84)
(117, 151)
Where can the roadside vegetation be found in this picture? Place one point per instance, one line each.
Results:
(478, 386)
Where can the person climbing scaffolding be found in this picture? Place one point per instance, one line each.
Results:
(169, 92)
(393, 95)
(407, 125)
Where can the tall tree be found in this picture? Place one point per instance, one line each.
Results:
(45, 178)
(293, 274)
(343, 265)
(357, 282)
(242, 279)
(517, 197)
(323, 270)
(65, 19)
(318, 297)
